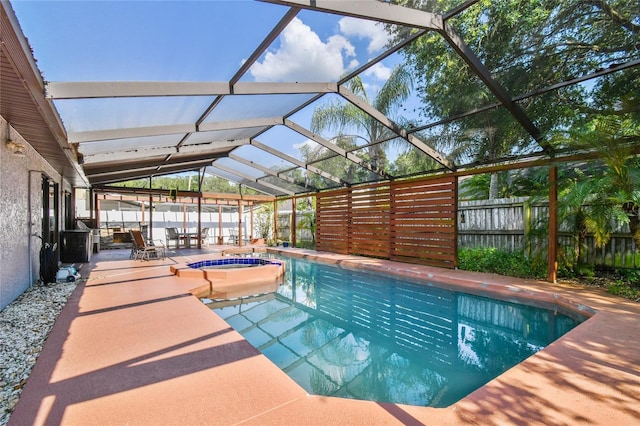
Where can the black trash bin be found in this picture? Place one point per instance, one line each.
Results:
(76, 246)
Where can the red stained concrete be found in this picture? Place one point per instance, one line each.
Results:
(133, 346)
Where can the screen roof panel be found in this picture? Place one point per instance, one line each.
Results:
(82, 115)
(181, 85)
(171, 41)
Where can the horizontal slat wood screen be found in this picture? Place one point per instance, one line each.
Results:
(423, 222)
(411, 221)
(332, 221)
(370, 221)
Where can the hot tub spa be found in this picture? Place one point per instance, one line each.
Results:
(230, 274)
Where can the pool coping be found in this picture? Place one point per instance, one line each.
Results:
(134, 346)
(224, 282)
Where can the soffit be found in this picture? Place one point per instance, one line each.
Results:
(23, 105)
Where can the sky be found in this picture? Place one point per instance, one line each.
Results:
(190, 41)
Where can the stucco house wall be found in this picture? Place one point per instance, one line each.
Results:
(21, 214)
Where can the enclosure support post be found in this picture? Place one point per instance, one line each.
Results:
(251, 234)
(150, 235)
(455, 222)
(240, 236)
(293, 222)
(199, 218)
(95, 208)
(553, 225)
(220, 237)
(184, 216)
(275, 220)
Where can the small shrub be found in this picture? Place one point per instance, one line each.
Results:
(631, 276)
(306, 244)
(587, 271)
(504, 262)
(623, 289)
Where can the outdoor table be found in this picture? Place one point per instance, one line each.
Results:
(187, 236)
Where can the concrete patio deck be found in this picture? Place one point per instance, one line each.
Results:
(133, 346)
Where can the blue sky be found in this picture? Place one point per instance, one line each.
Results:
(189, 41)
(192, 41)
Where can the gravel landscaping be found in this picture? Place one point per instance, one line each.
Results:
(24, 327)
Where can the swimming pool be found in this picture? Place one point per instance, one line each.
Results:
(360, 335)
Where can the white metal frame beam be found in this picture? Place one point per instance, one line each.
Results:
(400, 15)
(239, 124)
(268, 171)
(333, 147)
(212, 149)
(297, 162)
(132, 89)
(373, 10)
(140, 132)
(249, 180)
(135, 132)
(395, 128)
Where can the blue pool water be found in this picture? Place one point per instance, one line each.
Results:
(368, 336)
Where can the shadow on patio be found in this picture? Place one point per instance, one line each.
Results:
(133, 346)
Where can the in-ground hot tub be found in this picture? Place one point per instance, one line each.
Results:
(230, 275)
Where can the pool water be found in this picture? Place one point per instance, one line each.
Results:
(359, 335)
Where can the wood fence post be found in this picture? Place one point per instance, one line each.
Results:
(292, 226)
(526, 224)
(552, 273)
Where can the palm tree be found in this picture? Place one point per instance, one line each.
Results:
(609, 193)
(340, 117)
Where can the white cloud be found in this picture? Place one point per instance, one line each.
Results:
(308, 142)
(379, 72)
(302, 56)
(365, 29)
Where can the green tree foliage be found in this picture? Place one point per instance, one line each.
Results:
(341, 119)
(526, 45)
(337, 165)
(511, 183)
(412, 162)
(607, 192)
(263, 220)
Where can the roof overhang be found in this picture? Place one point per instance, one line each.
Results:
(24, 106)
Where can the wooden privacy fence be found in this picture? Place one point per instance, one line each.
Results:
(516, 224)
(411, 221)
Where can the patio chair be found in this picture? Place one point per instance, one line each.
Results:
(145, 250)
(204, 236)
(233, 236)
(171, 234)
